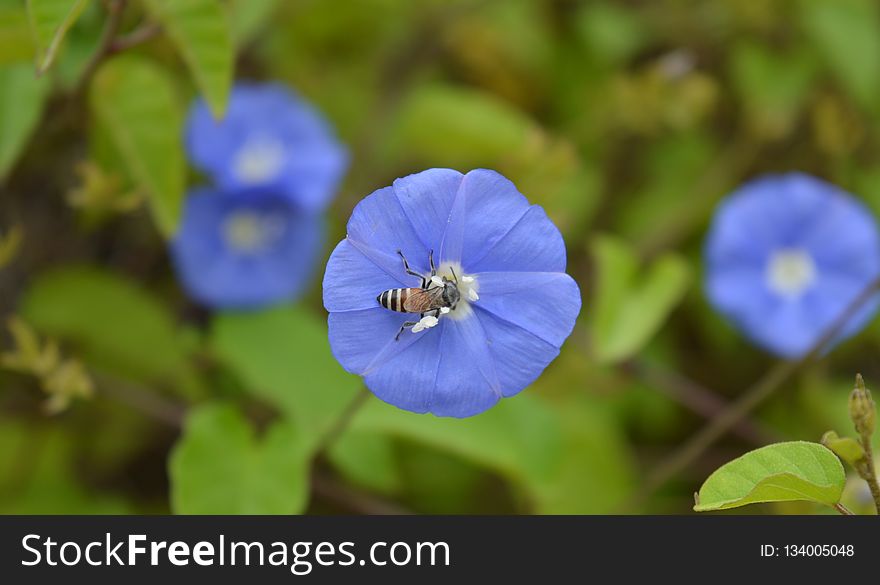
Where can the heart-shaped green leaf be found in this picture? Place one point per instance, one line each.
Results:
(50, 20)
(220, 467)
(114, 324)
(629, 311)
(367, 459)
(777, 473)
(134, 101)
(201, 31)
(282, 356)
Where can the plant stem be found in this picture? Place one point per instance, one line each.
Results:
(842, 509)
(343, 421)
(871, 476)
(696, 398)
(148, 403)
(115, 11)
(754, 396)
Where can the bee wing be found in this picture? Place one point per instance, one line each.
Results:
(418, 300)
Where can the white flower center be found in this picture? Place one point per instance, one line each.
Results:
(790, 272)
(260, 160)
(249, 232)
(468, 285)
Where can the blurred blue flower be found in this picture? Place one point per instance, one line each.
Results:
(269, 138)
(786, 255)
(245, 249)
(517, 303)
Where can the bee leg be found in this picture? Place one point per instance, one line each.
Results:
(412, 272)
(431, 262)
(402, 327)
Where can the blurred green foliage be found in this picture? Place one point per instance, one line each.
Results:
(627, 120)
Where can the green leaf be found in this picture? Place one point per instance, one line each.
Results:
(782, 472)
(663, 201)
(847, 32)
(283, 356)
(459, 128)
(628, 312)
(249, 16)
(220, 467)
(612, 33)
(39, 474)
(50, 20)
(16, 40)
(367, 459)
(135, 102)
(518, 438)
(22, 97)
(596, 471)
(113, 322)
(772, 86)
(201, 31)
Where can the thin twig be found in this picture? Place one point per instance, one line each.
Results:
(343, 421)
(115, 11)
(843, 509)
(754, 396)
(148, 403)
(137, 37)
(698, 399)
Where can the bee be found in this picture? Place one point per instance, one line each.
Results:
(434, 296)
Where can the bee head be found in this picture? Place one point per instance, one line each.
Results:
(451, 295)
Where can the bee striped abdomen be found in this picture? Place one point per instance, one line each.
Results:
(394, 299)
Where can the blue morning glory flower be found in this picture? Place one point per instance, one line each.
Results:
(786, 255)
(515, 305)
(246, 249)
(270, 138)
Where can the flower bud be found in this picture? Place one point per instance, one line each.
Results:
(862, 409)
(844, 447)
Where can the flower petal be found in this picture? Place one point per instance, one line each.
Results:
(352, 282)
(839, 243)
(519, 356)
(467, 381)
(427, 199)
(379, 227)
(781, 212)
(739, 291)
(545, 304)
(534, 244)
(218, 276)
(788, 331)
(363, 341)
(493, 207)
(313, 162)
(832, 296)
(314, 175)
(454, 232)
(407, 378)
